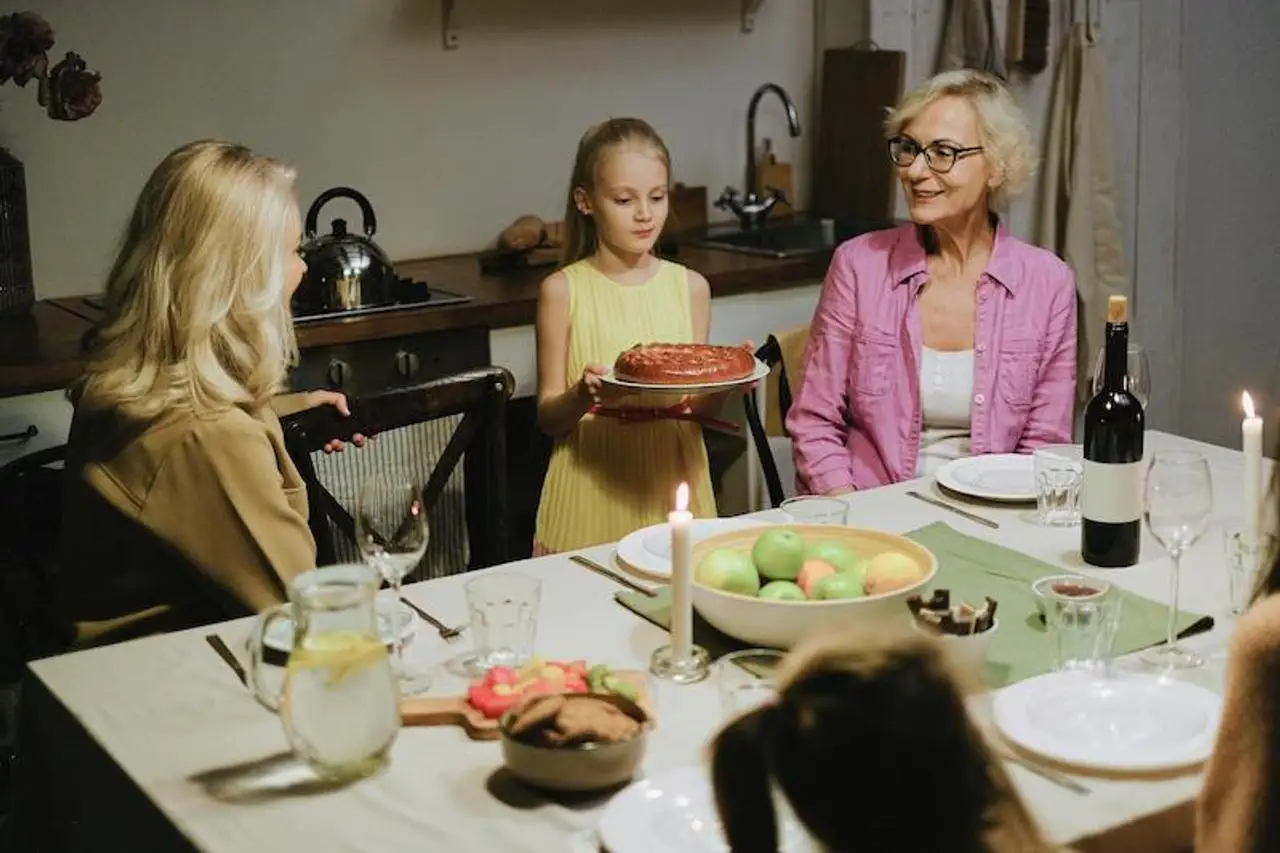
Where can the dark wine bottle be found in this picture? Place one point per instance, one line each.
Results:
(1111, 489)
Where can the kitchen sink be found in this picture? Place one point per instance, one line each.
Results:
(786, 239)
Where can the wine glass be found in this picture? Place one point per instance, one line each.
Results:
(392, 533)
(1179, 502)
(1137, 374)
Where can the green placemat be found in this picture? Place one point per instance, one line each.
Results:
(972, 569)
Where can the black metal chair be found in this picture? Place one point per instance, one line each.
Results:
(771, 354)
(30, 533)
(478, 441)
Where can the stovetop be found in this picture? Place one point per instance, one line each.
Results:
(411, 293)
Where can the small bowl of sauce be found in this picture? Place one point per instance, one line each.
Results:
(1076, 587)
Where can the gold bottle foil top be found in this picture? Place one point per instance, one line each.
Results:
(1118, 309)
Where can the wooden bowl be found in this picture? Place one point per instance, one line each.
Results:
(782, 624)
(582, 767)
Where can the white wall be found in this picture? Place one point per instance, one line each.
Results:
(1228, 257)
(449, 146)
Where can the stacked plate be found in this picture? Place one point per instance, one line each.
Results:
(648, 550)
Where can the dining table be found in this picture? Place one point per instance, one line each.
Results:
(154, 744)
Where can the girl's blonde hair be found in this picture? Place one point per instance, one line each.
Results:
(580, 237)
(197, 313)
(876, 724)
(1003, 130)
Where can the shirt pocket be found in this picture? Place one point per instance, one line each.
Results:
(876, 360)
(1017, 372)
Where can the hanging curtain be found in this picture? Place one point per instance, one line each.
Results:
(970, 40)
(1078, 217)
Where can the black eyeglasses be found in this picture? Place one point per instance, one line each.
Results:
(938, 156)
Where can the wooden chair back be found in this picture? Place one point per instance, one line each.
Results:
(479, 441)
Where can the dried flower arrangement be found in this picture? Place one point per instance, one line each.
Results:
(68, 91)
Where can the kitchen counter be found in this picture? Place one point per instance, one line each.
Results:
(41, 351)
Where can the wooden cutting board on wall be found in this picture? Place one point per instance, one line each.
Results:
(852, 176)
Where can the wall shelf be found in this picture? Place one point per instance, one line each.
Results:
(449, 26)
(448, 29)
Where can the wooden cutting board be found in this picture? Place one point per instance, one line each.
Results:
(456, 711)
(852, 176)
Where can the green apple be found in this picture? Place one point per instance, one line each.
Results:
(838, 585)
(834, 553)
(782, 591)
(779, 554)
(729, 571)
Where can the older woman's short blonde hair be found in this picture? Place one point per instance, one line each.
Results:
(197, 313)
(1003, 127)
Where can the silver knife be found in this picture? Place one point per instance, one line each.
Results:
(230, 659)
(611, 575)
(977, 519)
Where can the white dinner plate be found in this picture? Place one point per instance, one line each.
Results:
(1006, 477)
(675, 812)
(280, 635)
(648, 550)
(761, 371)
(1131, 722)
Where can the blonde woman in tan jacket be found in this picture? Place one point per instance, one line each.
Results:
(1239, 806)
(182, 506)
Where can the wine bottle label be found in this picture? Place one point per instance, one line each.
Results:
(1111, 493)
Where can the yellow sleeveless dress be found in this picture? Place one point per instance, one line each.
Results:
(608, 478)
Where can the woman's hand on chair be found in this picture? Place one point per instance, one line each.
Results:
(339, 402)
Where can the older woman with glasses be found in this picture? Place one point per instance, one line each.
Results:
(946, 336)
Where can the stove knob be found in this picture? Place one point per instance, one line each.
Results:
(338, 373)
(407, 364)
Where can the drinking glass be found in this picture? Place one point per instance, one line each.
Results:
(1083, 624)
(1179, 502)
(1245, 556)
(1137, 374)
(392, 533)
(747, 678)
(1058, 471)
(815, 509)
(504, 621)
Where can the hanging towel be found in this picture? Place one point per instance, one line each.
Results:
(1078, 217)
(970, 40)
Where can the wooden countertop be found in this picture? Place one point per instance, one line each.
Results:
(41, 351)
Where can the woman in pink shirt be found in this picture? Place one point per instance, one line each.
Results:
(944, 337)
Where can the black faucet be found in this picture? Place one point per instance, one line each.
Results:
(753, 209)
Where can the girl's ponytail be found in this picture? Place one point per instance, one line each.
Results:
(741, 776)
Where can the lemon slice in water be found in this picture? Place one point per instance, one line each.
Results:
(343, 653)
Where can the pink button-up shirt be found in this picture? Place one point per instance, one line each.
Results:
(856, 418)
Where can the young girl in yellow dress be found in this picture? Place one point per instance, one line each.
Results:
(609, 476)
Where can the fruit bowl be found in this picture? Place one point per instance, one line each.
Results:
(781, 623)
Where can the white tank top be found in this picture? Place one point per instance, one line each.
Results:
(946, 389)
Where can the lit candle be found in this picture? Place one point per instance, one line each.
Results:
(681, 522)
(1251, 445)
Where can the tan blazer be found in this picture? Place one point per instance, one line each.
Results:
(1239, 806)
(182, 521)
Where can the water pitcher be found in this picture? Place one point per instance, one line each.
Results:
(339, 702)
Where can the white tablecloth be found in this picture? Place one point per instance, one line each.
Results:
(123, 738)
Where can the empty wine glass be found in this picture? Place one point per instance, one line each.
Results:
(392, 533)
(1179, 502)
(1137, 374)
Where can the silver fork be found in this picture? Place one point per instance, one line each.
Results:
(446, 633)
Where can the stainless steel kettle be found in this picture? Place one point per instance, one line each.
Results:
(345, 271)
